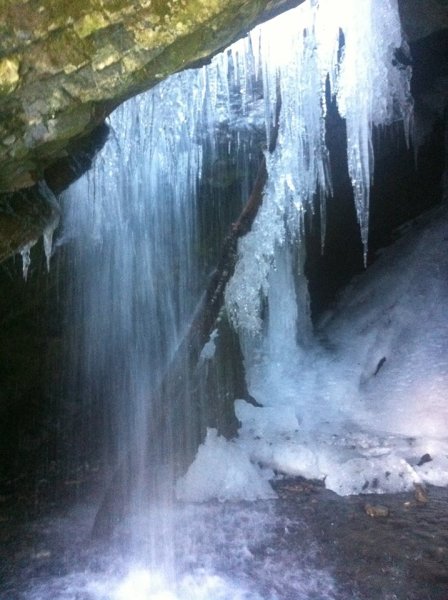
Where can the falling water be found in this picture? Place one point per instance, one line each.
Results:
(138, 274)
(136, 280)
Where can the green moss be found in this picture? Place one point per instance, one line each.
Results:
(64, 11)
(197, 44)
(19, 17)
(114, 8)
(68, 125)
(22, 174)
(8, 40)
(90, 23)
(115, 35)
(163, 8)
(118, 36)
(9, 74)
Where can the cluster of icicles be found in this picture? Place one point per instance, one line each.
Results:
(323, 48)
(344, 50)
(47, 234)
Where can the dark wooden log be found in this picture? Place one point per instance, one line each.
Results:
(205, 318)
(178, 404)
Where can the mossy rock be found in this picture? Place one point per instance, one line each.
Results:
(58, 58)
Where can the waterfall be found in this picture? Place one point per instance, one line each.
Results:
(134, 222)
(136, 279)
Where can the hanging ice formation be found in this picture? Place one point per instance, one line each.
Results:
(47, 234)
(300, 51)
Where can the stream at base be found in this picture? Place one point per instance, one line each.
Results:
(309, 544)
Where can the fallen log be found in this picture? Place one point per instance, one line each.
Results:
(206, 314)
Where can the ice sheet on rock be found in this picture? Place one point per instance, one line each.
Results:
(222, 470)
(367, 398)
(392, 325)
(435, 472)
(209, 349)
(267, 422)
(374, 475)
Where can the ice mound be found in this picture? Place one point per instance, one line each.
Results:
(223, 470)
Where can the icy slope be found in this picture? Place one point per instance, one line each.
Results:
(367, 398)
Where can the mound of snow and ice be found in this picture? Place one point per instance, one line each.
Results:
(223, 470)
(362, 402)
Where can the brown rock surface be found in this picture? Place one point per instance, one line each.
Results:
(65, 65)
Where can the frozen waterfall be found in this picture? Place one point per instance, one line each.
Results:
(342, 49)
(135, 217)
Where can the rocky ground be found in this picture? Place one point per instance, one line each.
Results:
(401, 556)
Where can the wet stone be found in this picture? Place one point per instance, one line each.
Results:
(376, 510)
(424, 459)
(403, 557)
(420, 493)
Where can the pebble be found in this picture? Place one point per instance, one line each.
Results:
(376, 510)
(420, 493)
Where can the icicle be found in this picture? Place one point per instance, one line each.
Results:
(53, 223)
(26, 257)
(48, 242)
(297, 167)
(371, 90)
(48, 239)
